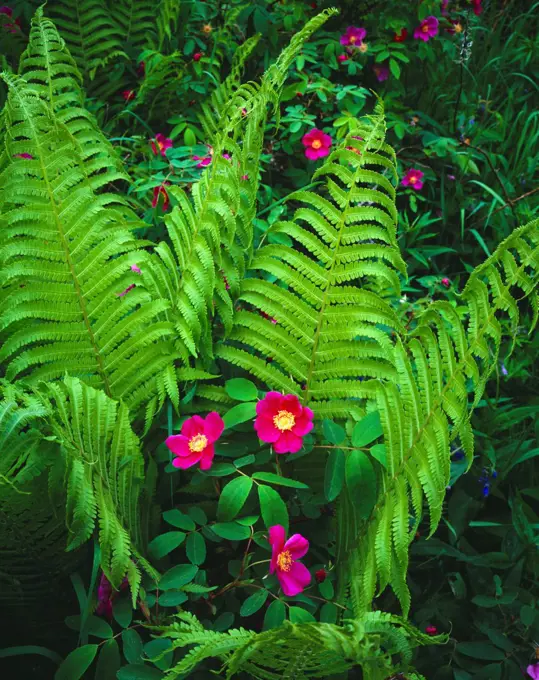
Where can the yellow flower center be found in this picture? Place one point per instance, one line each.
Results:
(316, 145)
(458, 28)
(412, 179)
(363, 47)
(353, 39)
(207, 28)
(284, 420)
(425, 28)
(198, 443)
(284, 561)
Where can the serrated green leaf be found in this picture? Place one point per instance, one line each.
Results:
(95, 626)
(172, 598)
(132, 645)
(231, 531)
(275, 615)
(335, 434)
(122, 610)
(139, 672)
(108, 661)
(361, 482)
(300, 615)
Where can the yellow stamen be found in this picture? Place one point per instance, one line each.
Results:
(353, 39)
(198, 443)
(316, 144)
(284, 560)
(284, 420)
(363, 47)
(458, 28)
(425, 28)
(412, 179)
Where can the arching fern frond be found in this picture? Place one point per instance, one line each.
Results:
(442, 370)
(321, 321)
(70, 301)
(137, 21)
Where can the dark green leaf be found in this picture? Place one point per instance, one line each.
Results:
(132, 645)
(220, 470)
(481, 650)
(300, 615)
(155, 648)
(198, 515)
(178, 576)
(138, 671)
(108, 661)
(335, 434)
(275, 615)
(272, 478)
(272, 507)
(334, 476)
(328, 613)
(254, 602)
(195, 548)
(94, 626)
(233, 497)
(165, 543)
(361, 482)
(231, 531)
(527, 615)
(367, 430)
(76, 663)
(122, 610)
(178, 519)
(240, 414)
(244, 460)
(241, 389)
(172, 598)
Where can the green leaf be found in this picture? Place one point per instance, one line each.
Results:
(178, 576)
(272, 507)
(155, 648)
(328, 613)
(361, 482)
(395, 68)
(122, 610)
(254, 602)
(272, 478)
(108, 662)
(172, 598)
(335, 434)
(367, 430)
(275, 615)
(334, 476)
(95, 626)
(132, 645)
(165, 543)
(300, 615)
(178, 519)
(241, 389)
(248, 520)
(481, 650)
(378, 451)
(220, 470)
(196, 548)
(231, 531)
(239, 414)
(138, 671)
(76, 663)
(233, 497)
(244, 460)
(527, 615)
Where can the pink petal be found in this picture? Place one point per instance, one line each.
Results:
(297, 545)
(312, 154)
(291, 403)
(294, 581)
(266, 430)
(288, 442)
(276, 539)
(304, 423)
(344, 40)
(269, 405)
(323, 151)
(418, 185)
(207, 457)
(178, 444)
(326, 140)
(308, 138)
(213, 426)
(533, 671)
(184, 462)
(193, 426)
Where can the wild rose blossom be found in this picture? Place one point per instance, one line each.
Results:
(8, 11)
(161, 144)
(293, 576)
(106, 595)
(427, 29)
(400, 37)
(28, 156)
(414, 179)
(160, 190)
(128, 95)
(135, 269)
(445, 282)
(381, 72)
(431, 630)
(533, 671)
(317, 144)
(476, 6)
(282, 421)
(353, 36)
(342, 58)
(195, 443)
(197, 56)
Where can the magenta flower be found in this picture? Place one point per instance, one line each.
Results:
(161, 144)
(195, 443)
(317, 144)
(342, 58)
(533, 671)
(135, 269)
(445, 3)
(293, 576)
(427, 29)
(477, 9)
(204, 161)
(353, 36)
(8, 11)
(28, 156)
(161, 191)
(128, 95)
(431, 630)
(282, 421)
(124, 292)
(414, 179)
(445, 282)
(106, 594)
(381, 72)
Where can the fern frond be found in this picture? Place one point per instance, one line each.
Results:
(136, 19)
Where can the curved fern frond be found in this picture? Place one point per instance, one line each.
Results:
(168, 15)
(321, 320)
(442, 370)
(70, 301)
(137, 21)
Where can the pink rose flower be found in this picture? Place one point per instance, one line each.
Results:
(414, 179)
(161, 144)
(197, 56)
(427, 29)
(381, 72)
(293, 576)
(8, 11)
(161, 191)
(477, 9)
(353, 36)
(342, 58)
(445, 282)
(282, 421)
(431, 630)
(136, 269)
(317, 144)
(533, 671)
(195, 443)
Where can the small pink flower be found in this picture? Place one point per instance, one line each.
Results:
(245, 177)
(28, 156)
(446, 282)
(317, 144)
(124, 292)
(342, 58)
(381, 72)
(293, 576)
(128, 95)
(197, 56)
(282, 421)
(401, 37)
(431, 630)
(161, 191)
(227, 156)
(320, 575)
(161, 144)
(135, 269)
(427, 29)
(106, 594)
(477, 9)
(8, 11)
(195, 443)
(414, 179)
(353, 36)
